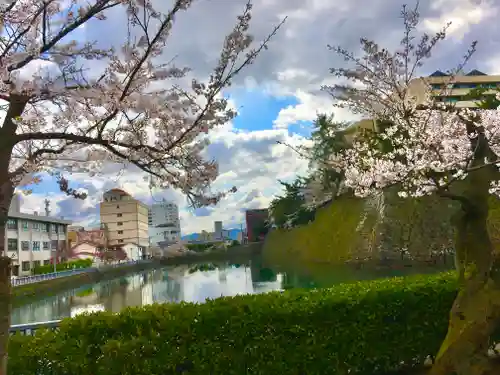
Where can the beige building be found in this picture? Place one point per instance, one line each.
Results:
(444, 88)
(454, 89)
(124, 218)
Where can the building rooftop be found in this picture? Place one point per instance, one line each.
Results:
(33, 217)
(119, 191)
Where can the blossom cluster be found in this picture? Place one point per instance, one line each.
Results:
(424, 153)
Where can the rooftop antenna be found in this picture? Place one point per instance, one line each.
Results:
(47, 207)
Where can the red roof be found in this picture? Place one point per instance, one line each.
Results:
(119, 191)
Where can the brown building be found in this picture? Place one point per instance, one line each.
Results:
(124, 219)
(256, 221)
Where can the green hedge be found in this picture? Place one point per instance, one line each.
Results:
(49, 268)
(200, 247)
(369, 328)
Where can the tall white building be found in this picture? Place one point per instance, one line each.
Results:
(33, 239)
(164, 223)
(218, 232)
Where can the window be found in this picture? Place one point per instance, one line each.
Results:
(12, 224)
(25, 245)
(46, 245)
(36, 226)
(120, 241)
(25, 266)
(53, 245)
(25, 225)
(36, 263)
(119, 215)
(61, 229)
(45, 227)
(119, 223)
(53, 228)
(12, 244)
(120, 232)
(46, 262)
(36, 245)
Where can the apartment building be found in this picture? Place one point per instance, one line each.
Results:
(444, 88)
(454, 89)
(164, 223)
(32, 240)
(124, 219)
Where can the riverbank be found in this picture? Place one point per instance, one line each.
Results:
(233, 254)
(25, 293)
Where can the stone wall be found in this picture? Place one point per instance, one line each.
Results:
(379, 228)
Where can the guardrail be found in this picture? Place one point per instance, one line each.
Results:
(29, 329)
(48, 276)
(54, 275)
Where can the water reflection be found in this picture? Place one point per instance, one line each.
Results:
(193, 283)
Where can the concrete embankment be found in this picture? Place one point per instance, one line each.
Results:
(24, 293)
(233, 254)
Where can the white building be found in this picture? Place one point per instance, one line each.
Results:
(218, 231)
(32, 240)
(164, 223)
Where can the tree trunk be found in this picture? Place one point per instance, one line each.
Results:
(6, 192)
(476, 309)
(5, 308)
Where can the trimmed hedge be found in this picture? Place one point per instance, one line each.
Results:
(49, 268)
(366, 328)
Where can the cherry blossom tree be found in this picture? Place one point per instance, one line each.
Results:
(424, 147)
(140, 110)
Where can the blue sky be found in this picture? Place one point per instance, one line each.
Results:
(259, 109)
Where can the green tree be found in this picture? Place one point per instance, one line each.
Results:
(485, 97)
(288, 209)
(328, 139)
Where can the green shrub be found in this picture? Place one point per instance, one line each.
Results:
(366, 328)
(49, 268)
(200, 247)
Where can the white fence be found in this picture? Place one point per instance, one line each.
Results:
(48, 276)
(55, 275)
(30, 328)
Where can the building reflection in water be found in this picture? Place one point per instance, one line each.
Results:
(172, 284)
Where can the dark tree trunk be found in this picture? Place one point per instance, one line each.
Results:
(476, 310)
(6, 192)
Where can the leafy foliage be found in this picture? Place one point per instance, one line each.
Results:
(336, 330)
(328, 139)
(199, 247)
(49, 268)
(288, 210)
(485, 98)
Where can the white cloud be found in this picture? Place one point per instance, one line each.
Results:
(461, 13)
(307, 109)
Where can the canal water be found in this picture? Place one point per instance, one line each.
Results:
(190, 283)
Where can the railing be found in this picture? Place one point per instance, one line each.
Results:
(30, 328)
(54, 275)
(48, 276)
